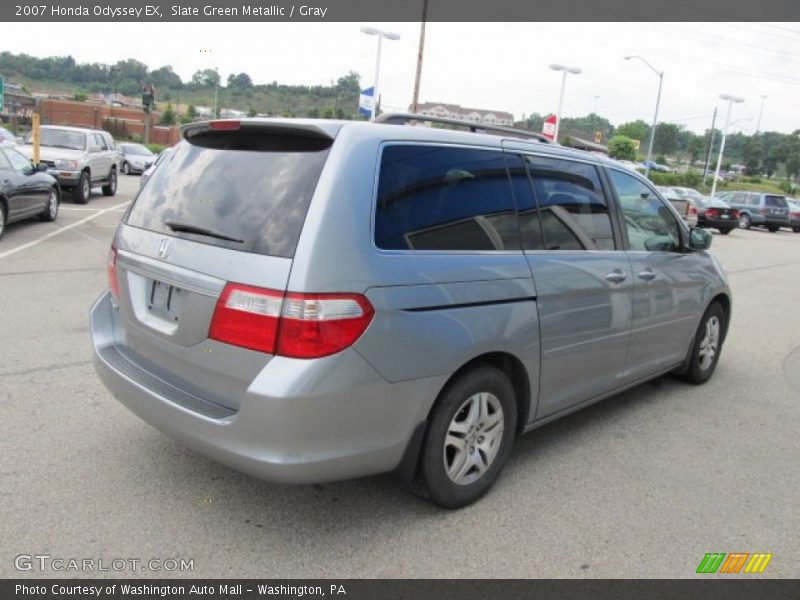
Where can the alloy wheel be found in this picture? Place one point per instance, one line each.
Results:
(709, 344)
(473, 438)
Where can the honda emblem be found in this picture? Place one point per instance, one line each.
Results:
(164, 247)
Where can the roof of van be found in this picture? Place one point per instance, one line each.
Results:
(330, 128)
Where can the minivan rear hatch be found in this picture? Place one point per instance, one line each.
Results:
(227, 205)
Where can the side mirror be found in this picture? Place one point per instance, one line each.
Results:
(40, 168)
(700, 239)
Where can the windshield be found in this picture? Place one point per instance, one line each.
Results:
(136, 150)
(60, 138)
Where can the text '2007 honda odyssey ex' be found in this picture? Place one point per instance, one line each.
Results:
(308, 301)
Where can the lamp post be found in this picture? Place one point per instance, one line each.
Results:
(655, 116)
(760, 112)
(381, 34)
(731, 99)
(564, 70)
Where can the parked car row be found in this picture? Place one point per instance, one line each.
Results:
(759, 209)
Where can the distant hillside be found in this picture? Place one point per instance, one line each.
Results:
(62, 75)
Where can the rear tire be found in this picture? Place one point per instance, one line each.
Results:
(744, 221)
(82, 191)
(772, 228)
(796, 229)
(469, 437)
(50, 212)
(707, 346)
(110, 188)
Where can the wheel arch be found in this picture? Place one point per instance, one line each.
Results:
(505, 362)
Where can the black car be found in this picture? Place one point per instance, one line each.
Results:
(713, 212)
(25, 191)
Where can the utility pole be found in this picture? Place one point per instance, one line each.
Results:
(710, 145)
(415, 101)
(760, 112)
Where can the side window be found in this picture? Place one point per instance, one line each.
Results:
(4, 164)
(650, 224)
(754, 199)
(112, 145)
(98, 139)
(18, 162)
(442, 198)
(572, 209)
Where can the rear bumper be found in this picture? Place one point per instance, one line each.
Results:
(303, 421)
(719, 223)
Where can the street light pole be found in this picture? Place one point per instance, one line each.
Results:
(731, 99)
(760, 112)
(564, 70)
(381, 34)
(655, 116)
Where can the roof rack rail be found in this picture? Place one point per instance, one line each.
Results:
(403, 118)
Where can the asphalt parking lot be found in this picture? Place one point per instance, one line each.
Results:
(641, 485)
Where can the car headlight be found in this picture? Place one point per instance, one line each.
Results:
(66, 164)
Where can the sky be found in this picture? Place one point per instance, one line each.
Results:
(492, 66)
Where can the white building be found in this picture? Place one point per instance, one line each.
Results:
(474, 115)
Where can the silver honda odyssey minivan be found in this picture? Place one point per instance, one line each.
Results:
(310, 300)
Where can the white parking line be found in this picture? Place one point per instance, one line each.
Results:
(60, 231)
(90, 209)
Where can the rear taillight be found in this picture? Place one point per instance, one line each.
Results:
(225, 125)
(294, 325)
(712, 212)
(794, 215)
(248, 317)
(111, 268)
(314, 325)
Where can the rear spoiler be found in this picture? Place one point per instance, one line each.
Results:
(306, 128)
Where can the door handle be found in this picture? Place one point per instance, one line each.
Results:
(616, 276)
(647, 274)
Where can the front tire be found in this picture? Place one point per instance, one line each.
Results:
(724, 231)
(125, 169)
(707, 345)
(773, 229)
(50, 212)
(110, 188)
(469, 437)
(82, 191)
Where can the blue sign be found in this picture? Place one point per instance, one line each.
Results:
(366, 102)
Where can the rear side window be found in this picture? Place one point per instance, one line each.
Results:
(572, 208)
(775, 202)
(443, 198)
(246, 190)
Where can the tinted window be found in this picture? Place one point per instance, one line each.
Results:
(649, 223)
(437, 198)
(775, 201)
(529, 223)
(245, 185)
(573, 211)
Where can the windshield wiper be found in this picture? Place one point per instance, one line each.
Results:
(177, 226)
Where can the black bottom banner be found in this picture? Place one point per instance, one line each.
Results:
(397, 589)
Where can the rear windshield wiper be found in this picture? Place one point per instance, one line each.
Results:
(189, 228)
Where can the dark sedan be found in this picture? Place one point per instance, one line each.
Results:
(25, 191)
(713, 212)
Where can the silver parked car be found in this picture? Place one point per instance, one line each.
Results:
(78, 158)
(311, 300)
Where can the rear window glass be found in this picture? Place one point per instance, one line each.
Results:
(244, 190)
(776, 201)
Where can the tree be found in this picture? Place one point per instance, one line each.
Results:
(751, 155)
(241, 81)
(666, 140)
(622, 148)
(635, 130)
(349, 84)
(166, 78)
(696, 148)
(252, 112)
(205, 78)
(168, 116)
